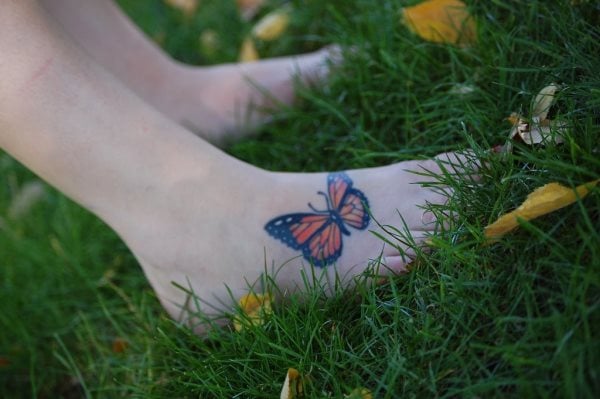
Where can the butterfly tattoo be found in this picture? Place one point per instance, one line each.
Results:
(318, 234)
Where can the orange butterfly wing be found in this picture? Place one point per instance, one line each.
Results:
(349, 202)
(326, 245)
(305, 228)
(337, 186)
(353, 211)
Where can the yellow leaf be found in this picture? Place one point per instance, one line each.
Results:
(360, 393)
(255, 308)
(292, 386)
(249, 8)
(513, 118)
(248, 51)
(543, 200)
(272, 25)
(188, 7)
(441, 21)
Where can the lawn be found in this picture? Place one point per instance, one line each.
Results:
(519, 317)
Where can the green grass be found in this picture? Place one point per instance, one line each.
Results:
(518, 318)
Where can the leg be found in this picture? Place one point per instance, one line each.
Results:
(215, 101)
(181, 205)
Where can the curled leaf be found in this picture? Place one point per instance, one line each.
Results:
(539, 132)
(187, 7)
(543, 101)
(272, 25)
(543, 200)
(255, 309)
(248, 51)
(292, 386)
(249, 8)
(441, 21)
(538, 129)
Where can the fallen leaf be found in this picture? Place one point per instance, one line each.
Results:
(441, 21)
(249, 8)
(292, 386)
(119, 345)
(535, 132)
(248, 51)
(272, 25)
(255, 308)
(513, 118)
(187, 7)
(543, 101)
(4, 362)
(543, 200)
(538, 129)
(360, 393)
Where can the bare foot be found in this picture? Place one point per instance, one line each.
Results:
(215, 236)
(191, 214)
(225, 102)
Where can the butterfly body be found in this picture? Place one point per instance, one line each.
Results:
(319, 234)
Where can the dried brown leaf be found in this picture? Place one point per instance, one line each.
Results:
(538, 129)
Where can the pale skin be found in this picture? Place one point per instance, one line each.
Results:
(191, 214)
(211, 101)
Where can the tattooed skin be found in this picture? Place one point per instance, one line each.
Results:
(318, 234)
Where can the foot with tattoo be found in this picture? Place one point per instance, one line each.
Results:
(217, 243)
(192, 215)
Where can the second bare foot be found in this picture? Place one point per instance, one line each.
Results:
(226, 102)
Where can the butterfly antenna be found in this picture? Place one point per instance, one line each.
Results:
(313, 208)
(327, 200)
